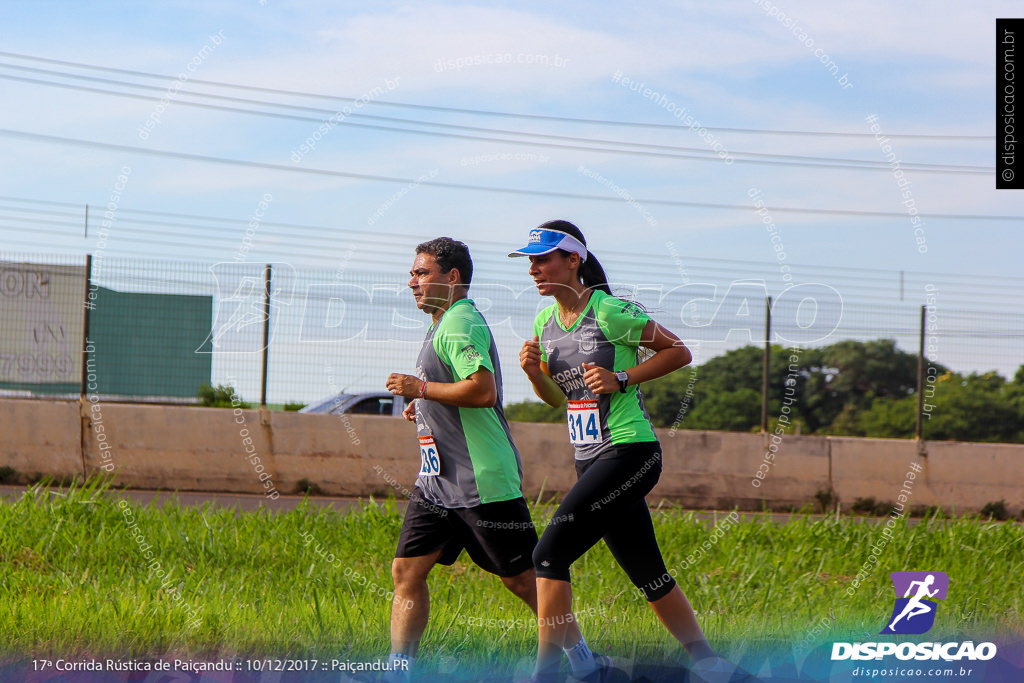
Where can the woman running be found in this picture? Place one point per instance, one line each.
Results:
(585, 350)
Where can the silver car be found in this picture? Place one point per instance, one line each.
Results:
(372, 403)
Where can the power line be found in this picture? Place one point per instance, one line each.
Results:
(854, 270)
(653, 271)
(639, 149)
(858, 298)
(479, 112)
(859, 305)
(53, 139)
(320, 234)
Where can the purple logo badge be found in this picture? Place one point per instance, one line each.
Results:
(916, 593)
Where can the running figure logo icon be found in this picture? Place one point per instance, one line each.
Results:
(914, 612)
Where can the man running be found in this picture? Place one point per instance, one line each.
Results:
(469, 490)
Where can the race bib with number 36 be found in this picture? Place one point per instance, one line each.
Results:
(584, 422)
(430, 463)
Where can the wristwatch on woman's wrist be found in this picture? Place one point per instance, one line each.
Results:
(623, 380)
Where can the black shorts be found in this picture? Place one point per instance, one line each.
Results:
(608, 502)
(499, 537)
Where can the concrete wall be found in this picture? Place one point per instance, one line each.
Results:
(41, 436)
(953, 475)
(207, 449)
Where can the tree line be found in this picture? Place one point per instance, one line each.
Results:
(849, 388)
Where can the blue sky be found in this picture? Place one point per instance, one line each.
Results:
(919, 69)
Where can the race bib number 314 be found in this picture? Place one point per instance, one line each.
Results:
(430, 463)
(584, 422)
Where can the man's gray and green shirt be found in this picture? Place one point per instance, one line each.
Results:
(479, 462)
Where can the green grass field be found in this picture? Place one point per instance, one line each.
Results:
(75, 579)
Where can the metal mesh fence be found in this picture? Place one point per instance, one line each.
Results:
(158, 330)
(971, 341)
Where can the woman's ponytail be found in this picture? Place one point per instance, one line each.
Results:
(593, 275)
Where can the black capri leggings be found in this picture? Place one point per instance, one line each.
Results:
(607, 502)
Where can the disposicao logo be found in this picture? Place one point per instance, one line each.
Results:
(914, 612)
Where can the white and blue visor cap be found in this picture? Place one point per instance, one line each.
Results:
(543, 241)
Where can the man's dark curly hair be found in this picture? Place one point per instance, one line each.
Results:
(449, 254)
